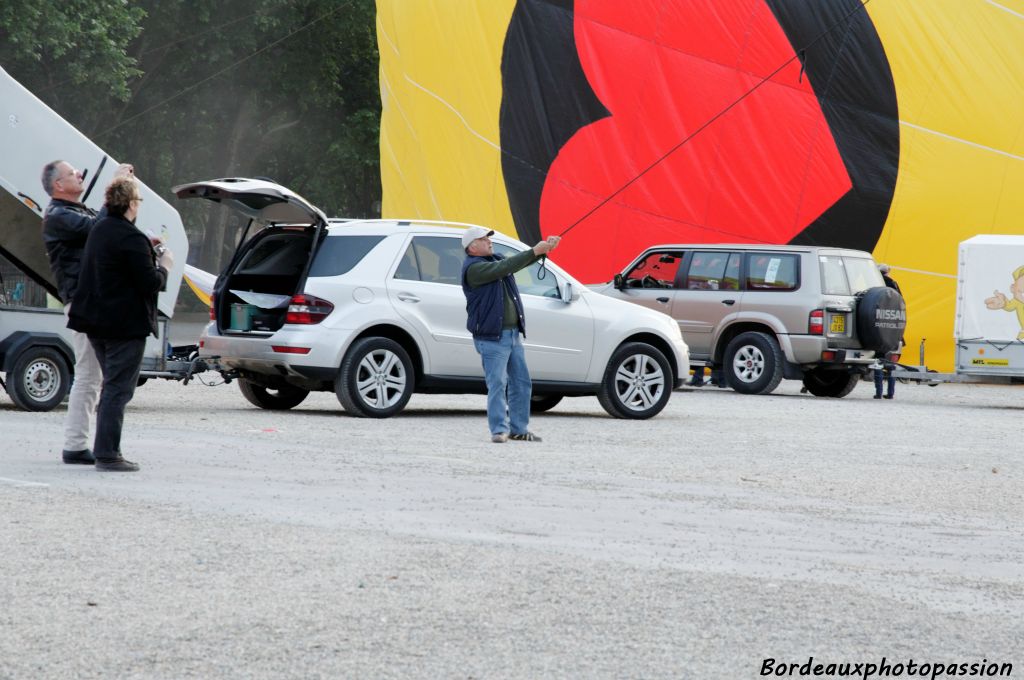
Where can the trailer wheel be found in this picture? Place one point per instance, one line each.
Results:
(40, 379)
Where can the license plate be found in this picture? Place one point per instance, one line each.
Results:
(837, 324)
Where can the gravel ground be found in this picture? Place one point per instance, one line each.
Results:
(310, 544)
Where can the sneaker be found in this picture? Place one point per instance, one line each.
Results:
(888, 396)
(499, 438)
(877, 396)
(525, 437)
(118, 464)
(83, 457)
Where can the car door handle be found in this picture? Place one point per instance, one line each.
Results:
(663, 299)
(728, 302)
(407, 297)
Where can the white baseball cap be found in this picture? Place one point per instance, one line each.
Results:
(473, 233)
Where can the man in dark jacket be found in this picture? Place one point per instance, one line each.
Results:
(66, 224)
(498, 324)
(115, 305)
(883, 373)
(890, 282)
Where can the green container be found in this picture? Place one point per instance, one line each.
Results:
(241, 316)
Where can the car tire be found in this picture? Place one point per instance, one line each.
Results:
(376, 378)
(637, 383)
(539, 403)
(753, 363)
(274, 399)
(836, 384)
(39, 380)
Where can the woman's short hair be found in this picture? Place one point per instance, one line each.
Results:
(120, 194)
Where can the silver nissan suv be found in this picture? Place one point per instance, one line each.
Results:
(757, 314)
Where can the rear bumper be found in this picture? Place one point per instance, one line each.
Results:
(255, 353)
(808, 349)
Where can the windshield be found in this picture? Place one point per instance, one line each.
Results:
(848, 275)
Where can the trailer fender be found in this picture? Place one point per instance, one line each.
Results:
(12, 347)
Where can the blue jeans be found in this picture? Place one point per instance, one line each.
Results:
(886, 375)
(505, 369)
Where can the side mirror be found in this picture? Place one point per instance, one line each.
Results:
(618, 282)
(568, 293)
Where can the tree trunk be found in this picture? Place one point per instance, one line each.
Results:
(221, 235)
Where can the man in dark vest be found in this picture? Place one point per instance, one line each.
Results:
(498, 325)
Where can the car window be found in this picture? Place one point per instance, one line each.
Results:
(338, 254)
(281, 254)
(655, 270)
(433, 259)
(846, 275)
(773, 271)
(407, 268)
(833, 276)
(732, 272)
(862, 273)
(529, 280)
(713, 271)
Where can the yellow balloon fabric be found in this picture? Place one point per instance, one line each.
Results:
(959, 74)
(958, 69)
(440, 81)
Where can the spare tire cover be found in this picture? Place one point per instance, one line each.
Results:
(881, 319)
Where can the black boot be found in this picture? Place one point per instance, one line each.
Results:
(83, 457)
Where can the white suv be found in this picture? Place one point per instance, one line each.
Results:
(374, 311)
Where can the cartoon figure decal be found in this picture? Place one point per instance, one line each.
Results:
(1016, 304)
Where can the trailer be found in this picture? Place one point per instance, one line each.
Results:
(35, 345)
(989, 323)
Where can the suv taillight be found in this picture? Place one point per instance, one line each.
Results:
(307, 309)
(816, 322)
(213, 308)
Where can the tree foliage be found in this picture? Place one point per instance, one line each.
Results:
(62, 47)
(199, 89)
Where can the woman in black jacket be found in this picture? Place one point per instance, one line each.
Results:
(115, 305)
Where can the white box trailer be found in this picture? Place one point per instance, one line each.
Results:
(989, 324)
(989, 329)
(35, 346)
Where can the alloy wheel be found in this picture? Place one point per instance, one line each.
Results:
(639, 382)
(381, 379)
(748, 364)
